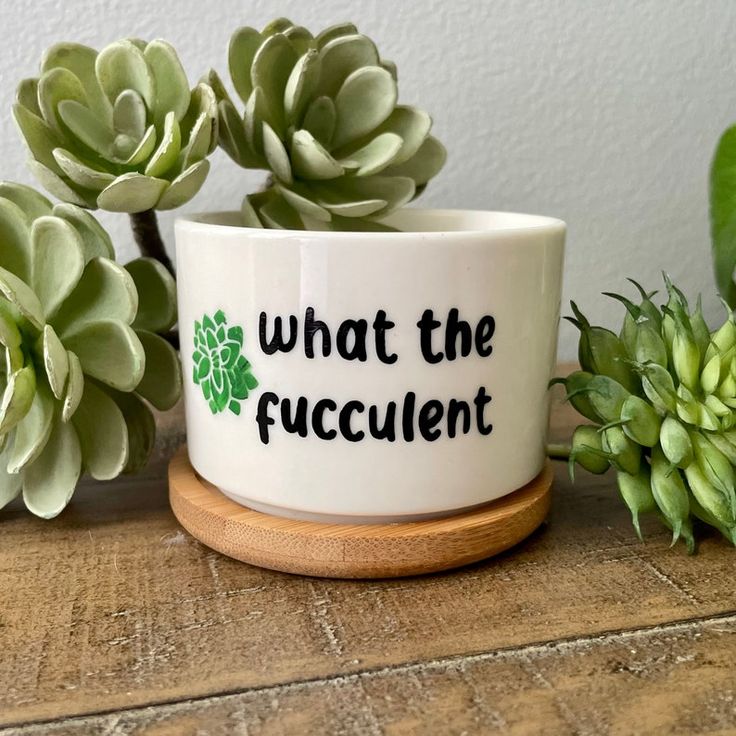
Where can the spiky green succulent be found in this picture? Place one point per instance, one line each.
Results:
(119, 129)
(662, 397)
(321, 116)
(220, 369)
(82, 357)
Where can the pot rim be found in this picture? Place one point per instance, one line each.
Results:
(508, 223)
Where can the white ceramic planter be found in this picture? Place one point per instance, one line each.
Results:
(433, 397)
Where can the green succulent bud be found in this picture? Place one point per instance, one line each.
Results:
(636, 491)
(675, 442)
(577, 385)
(710, 378)
(587, 450)
(82, 355)
(649, 346)
(321, 115)
(600, 351)
(715, 467)
(701, 333)
(711, 499)
(723, 339)
(607, 397)
(686, 357)
(676, 420)
(623, 452)
(729, 532)
(723, 445)
(669, 492)
(659, 387)
(119, 129)
(640, 421)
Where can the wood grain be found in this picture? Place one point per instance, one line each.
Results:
(353, 550)
(113, 608)
(675, 679)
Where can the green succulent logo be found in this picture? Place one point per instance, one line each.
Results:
(220, 369)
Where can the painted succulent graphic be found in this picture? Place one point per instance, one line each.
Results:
(321, 115)
(82, 359)
(117, 129)
(220, 369)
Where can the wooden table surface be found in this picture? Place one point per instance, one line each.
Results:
(113, 621)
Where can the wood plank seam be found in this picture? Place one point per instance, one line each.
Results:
(524, 653)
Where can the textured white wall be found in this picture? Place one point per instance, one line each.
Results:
(602, 113)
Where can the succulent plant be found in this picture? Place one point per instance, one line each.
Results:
(321, 116)
(222, 372)
(82, 357)
(119, 129)
(662, 397)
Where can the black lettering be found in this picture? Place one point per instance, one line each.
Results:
(344, 421)
(262, 419)
(311, 327)
(455, 409)
(483, 335)
(388, 431)
(297, 425)
(430, 415)
(358, 328)
(278, 342)
(427, 324)
(482, 400)
(407, 416)
(455, 328)
(381, 325)
(318, 425)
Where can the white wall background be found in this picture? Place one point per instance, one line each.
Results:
(602, 113)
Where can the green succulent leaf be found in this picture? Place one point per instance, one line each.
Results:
(105, 290)
(49, 482)
(32, 203)
(74, 387)
(58, 261)
(15, 254)
(110, 351)
(723, 214)
(95, 240)
(161, 382)
(102, 432)
(156, 295)
(10, 483)
(132, 192)
(171, 87)
(141, 427)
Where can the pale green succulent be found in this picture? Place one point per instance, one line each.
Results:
(662, 396)
(81, 353)
(119, 129)
(321, 116)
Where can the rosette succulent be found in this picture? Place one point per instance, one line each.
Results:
(662, 398)
(119, 129)
(222, 372)
(81, 355)
(321, 116)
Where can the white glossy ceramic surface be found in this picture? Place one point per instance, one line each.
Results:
(503, 266)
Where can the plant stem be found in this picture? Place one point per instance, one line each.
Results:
(558, 452)
(148, 237)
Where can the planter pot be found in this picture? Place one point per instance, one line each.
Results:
(369, 377)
